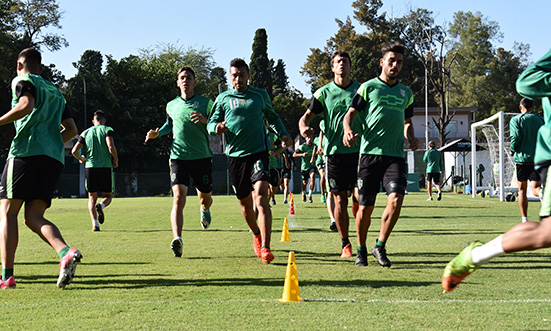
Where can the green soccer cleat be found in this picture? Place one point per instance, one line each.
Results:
(205, 218)
(460, 267)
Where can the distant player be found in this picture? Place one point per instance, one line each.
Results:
(524, 133)
(320, 164)
(99, 147)
(240, 114)
(274, 161)
(385, 107)
(534, 83)
(307, 166)
(35, 160)
(433, 159)
(331, 101)
(288, 163)
(190, 154)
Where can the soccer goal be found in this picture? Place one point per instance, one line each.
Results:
(493, 134)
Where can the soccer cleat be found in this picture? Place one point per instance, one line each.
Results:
(460, 267)
(347, 251)
(67, 267)
(6, 284)
(323, 199)
(205, 218)
(361, 258)
(273, 202)
(96, 228)
(99, 210)
(257, 245)
(303, 197)
(266, 255)
(285, 201)
(177, 247)
(333, 227)
(429, 199)
(310, 199)
(380, 254)
(439, 196)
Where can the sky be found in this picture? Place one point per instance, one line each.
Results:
(121, 28)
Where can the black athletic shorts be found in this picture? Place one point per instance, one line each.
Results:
(247, 170)
(375, 170)
(307, 173)
(99, 180)
(341, 171)
(527, 171)
(321, 167)
(274, 177)
(286, 173)
(199, 170)
(30, 178)
(434, 177)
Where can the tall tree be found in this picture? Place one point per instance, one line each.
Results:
(280, 78)
(261, 71)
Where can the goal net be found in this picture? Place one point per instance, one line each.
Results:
(492, 133)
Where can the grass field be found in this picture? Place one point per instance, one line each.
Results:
(128, 278)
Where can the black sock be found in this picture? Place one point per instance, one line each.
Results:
(345, 242)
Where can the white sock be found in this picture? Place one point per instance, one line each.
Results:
(524, 219)
(310, 194)
(95, 223)
(483, 254)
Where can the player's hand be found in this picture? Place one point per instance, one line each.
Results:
(287, 141)
(83, 160)
(306, 131)
(115, 163)
(349, 138)
(197, 117)
(305, 154)
(151, 134)
(221, 128)
(413, 143)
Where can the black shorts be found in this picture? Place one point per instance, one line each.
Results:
(247, 170)
(341, 171)
(286, 173)
(274, 177)
(375, 170)
(307, 173)
(99, 180)
(527, 171)
(434, 177)
(199, 170)
(321, 167)
(30, 178)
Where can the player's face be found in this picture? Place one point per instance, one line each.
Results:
(240, 78)
(392, 64)
(309, 140)
(341, 65)
(186, 82)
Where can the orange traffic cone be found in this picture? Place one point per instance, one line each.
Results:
(285, 232)
(290, 289)
(292, 206)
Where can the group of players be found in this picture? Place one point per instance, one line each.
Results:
(364, 126)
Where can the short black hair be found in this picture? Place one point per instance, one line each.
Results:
(186, 68)
(341, 54)
(239, 63)
(100, 115)
(527, 103)
(396, 48)
(31, 59)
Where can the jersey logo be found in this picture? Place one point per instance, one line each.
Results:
(196, 104)
(403, 92)
(236, 103)
(392, 100)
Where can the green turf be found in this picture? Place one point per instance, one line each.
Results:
(129, 279)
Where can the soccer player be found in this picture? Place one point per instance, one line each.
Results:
(274, 163)
(307, 166)
(190, 154)
(320, 164)
(524, 133)
(433, 159)
(385, 107)
(240, 114)
(332, 101)
(288, 163)
(533, 83)
(35, 160)
(99, 148)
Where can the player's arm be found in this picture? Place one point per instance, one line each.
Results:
(76, 151)
(68, 126)
(217, 124)
(408, 126)
(359, 102)
(535, 81)
(301, 154)
(24, 106)
(304, 123)
(112, 149)
(275, 121)
(515, 137)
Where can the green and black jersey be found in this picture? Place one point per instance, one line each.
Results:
(244, 113)
(39, 132)
(433, 159)
(95, 146)
(306, 160)
(383, 109)
(274, 161)
(535, 83)
(524, 133)
(332, 101)
(190, 140)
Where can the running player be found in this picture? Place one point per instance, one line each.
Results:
(34, 164)
(274, 163)
(288, 164)
(240, 114)
(331, 101)
(320, 164)
(534, 83)
(190, 154)
(433, 159)
(307, 167)
(385, 107)
(99, 148)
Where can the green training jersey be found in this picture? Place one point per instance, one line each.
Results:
(306, 163)
(383, 109)
(524, 133)
(319, 157)
(190, 141)
(332, 102)
(39, 132)
(95, 146)
(433, 159)
(535, 83)
(273, 144)
(244, 113)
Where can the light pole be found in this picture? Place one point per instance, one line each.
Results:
(84, 89)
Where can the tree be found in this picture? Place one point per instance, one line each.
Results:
(260, 68)
(280, 78)
(290, 106)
